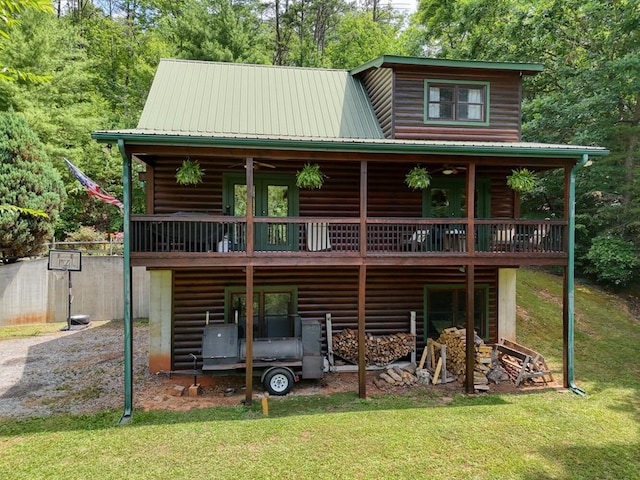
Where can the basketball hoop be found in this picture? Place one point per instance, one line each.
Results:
(65, 260)
(61, 261)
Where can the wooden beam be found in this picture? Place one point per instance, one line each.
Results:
(362, 284)
(470, 347)
(363, 208)
(471, 207)
(362, 347)
(250, 207)
(249, 337)
(249, 287)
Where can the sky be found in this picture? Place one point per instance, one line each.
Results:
(409, 6)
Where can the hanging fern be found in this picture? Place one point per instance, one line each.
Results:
(418, 178)
(522, 180)
(310, 177)
(189, 173)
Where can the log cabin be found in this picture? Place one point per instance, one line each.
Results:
(365, 248)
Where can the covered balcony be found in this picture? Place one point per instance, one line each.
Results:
(200, 239)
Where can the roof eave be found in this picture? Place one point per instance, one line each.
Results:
(523, 68)
(339, 145)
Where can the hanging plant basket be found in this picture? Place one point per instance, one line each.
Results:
(189, 173)
(418, 178)
(310, 177)
(522, 180)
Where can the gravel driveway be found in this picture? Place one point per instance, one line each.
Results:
(82, 371)
(77, 371)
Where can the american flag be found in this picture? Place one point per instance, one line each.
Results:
(92, 187)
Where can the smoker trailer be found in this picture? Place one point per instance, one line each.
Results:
(281, 361)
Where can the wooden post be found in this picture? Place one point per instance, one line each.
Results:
(471, 208)
(470, 347)
(249, 287)
(362, 361)
(362, 285)
(363, 209)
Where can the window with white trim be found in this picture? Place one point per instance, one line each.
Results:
(456, 103)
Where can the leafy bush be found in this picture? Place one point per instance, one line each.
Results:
(85, 234)
(613, 260)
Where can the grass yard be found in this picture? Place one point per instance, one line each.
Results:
(421, 435)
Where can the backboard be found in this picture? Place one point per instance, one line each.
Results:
(67, 260)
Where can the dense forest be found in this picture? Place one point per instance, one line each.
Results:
(69, 67)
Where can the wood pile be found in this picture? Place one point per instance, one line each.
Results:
(397, 377)
(456, 341)
(521, 363)
(381, 350)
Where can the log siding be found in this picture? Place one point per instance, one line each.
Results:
(391, 296)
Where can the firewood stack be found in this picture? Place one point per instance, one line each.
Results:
(397, 377)
(381, 350)
(456, 341)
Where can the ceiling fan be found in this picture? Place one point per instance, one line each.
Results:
(450, 170)
(255, 163)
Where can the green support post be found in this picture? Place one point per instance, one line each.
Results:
(128, 333)
(571, 277)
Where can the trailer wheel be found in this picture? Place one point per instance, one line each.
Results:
(278, 381)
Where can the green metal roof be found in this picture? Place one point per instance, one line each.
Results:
(282, 108)
(238, 99)
(388, 60)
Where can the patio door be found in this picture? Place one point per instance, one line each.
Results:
(447, 198)
(275, 196)
(273, 310)
(445, 306)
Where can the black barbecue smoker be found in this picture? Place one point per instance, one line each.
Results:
(280, 361)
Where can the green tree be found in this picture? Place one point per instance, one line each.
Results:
(358, 39)
(214, 30)
(587, 94)
(10, 13)
(64, 111)
(27, 181)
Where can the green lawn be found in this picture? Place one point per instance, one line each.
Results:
(543, 435)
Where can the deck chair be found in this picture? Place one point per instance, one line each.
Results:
(539, 237)
(318, 237)
(418, 240)
(502, 239)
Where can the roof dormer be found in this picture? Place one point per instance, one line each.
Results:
(434, 99)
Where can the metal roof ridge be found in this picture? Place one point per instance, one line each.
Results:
(258, 65)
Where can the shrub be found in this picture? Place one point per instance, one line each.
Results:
(613, 260)
(85, 234)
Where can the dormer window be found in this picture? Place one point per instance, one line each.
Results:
(453, 102)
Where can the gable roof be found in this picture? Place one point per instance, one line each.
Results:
(238, 99)
(199, 103)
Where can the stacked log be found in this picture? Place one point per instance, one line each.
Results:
(512, 366)
(381, 350)
(397, 377)
(456, 341)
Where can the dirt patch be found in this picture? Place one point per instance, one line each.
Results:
(633, 303)
(81, 371)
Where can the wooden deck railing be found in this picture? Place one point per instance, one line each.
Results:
(400, 236)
